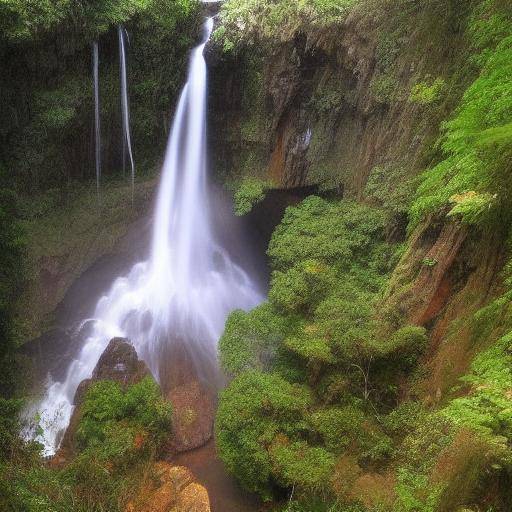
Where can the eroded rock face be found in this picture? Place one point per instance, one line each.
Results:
(170, 489)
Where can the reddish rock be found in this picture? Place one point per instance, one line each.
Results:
(193, 415)
(170, 489)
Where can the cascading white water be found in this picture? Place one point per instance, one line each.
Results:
(125, 111)
(97, 133)
(189, 285)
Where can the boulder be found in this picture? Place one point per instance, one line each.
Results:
(193, 414)
(119, 363)
(170, 489)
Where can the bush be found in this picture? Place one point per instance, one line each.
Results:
(300, 288)
(335, 233)
(302, 466)
(251, 340)
(253, 410)
(407, 345)
(118, 424)
(250, 192)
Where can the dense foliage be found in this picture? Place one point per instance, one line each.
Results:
(118, 435)
(325, 409)
(47, 149)
(386, 445)
(46, 81)
(474, 178)
(250, 192)
(258, 20)
(316, 367)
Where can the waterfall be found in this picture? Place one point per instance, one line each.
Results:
(97, 133)
(125, 112)
(184, 292)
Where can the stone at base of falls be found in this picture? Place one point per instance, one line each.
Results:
(170, 489)
(119, 363)
(193, 414)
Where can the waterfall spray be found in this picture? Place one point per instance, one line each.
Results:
(97, 133)
(183, 294)
(125, 111)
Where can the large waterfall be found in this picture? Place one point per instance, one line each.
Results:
(184, 292)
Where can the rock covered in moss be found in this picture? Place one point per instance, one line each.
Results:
(119, 363)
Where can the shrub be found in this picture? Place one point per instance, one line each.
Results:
(253, 410)
(250, 192)
(300, 288)
(302, 466)
(338, 426)
(113, 419)
(331, 232)
(407, 345)
(251, 340)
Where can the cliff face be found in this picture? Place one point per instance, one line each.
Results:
(331, 106)
(326, 107)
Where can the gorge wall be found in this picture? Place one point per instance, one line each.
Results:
(336, 108)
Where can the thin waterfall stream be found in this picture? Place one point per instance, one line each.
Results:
(183, 293)
(97, 131)
(125, 110)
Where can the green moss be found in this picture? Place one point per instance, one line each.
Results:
(255, 20)
(69, 231)
(424, 93)
(250, 192)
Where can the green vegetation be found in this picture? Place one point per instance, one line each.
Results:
(112, 419)
(11, 278)
(118, 435)
(250, 192)
(321, 330)
(336, 400)
(474, 177)
(256, 20)
(47, 141)
(425, 94)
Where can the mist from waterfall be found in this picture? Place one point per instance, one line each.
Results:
(97, 132)
(125, 111)
(184, 292)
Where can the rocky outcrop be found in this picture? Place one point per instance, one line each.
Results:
(119, 363)
(327, 106)
(189, 383)
(447, 274)
(170, 489)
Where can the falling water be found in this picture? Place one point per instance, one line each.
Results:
(95, 60)
(127, 143)
(189, 285)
